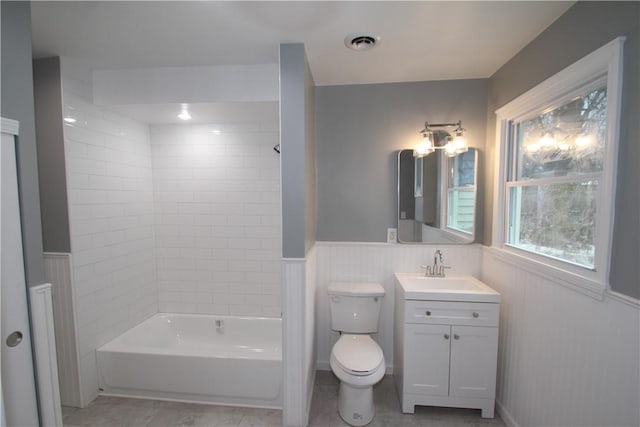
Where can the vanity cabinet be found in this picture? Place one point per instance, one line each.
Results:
(445, 353)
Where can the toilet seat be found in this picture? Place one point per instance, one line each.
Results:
(357, 355)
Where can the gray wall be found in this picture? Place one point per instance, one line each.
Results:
(297, 117)
(582, 29)
(310, 173)
(17, 104)
(47, 87)
(360, 129)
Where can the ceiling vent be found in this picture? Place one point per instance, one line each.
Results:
(361, 41)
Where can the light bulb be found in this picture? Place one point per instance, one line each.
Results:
(460, 144)
(426, 145)
(450, 149)
(184, 113)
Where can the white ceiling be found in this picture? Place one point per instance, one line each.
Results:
(419, 40)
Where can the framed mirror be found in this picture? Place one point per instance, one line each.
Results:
(437, 197)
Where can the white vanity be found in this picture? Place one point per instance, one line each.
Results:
(445, 342)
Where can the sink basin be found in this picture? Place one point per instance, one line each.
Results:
(462, 288)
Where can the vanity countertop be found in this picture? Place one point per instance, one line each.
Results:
(417, 286)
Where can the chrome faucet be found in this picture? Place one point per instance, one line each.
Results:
(437, 269)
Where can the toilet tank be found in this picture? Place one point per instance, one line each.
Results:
(355, 307)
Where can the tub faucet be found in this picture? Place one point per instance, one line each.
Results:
(437, 269)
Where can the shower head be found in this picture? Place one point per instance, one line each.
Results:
(276, 148)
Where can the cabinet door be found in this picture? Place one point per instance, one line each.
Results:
(473, 361)
(426, 369)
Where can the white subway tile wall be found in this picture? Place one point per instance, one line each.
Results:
(110, 190)
(217, 218)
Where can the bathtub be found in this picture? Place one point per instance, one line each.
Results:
(196, 358)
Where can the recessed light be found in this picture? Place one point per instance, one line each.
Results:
(216, 131)
(184, 113)
(361, 41)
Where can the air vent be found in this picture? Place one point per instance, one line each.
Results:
(361, 41)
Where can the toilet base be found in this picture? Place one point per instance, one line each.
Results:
(355, 405)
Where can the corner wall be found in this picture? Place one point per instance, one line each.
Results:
(297, 145)
(51, 163)
(566, 358)
(582, 29)
(17, 104)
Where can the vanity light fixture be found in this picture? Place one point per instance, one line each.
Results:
(455, 144)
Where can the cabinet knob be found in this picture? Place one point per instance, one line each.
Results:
(476, 314)
(428, 312)
(456, 336)
(446, 336)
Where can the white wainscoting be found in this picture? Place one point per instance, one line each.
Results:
(565, 358)
(310, 324)
(44, 345)
(377, 262)
(298, 358)
(58, 272)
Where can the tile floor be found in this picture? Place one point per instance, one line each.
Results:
(121, 412)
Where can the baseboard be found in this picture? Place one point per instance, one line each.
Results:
(310, 390)
(505, 415)
(322, 366)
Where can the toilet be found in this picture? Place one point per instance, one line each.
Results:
(356, 359)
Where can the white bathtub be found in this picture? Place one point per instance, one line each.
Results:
(188, 357)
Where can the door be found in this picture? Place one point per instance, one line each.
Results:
(18, 384)
(426, 369)
(473, 361)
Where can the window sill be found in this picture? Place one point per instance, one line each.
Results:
(586, 286)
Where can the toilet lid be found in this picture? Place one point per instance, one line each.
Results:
(358, 354)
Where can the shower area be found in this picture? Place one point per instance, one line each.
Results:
(162, 236)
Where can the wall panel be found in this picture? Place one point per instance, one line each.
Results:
(565, 358)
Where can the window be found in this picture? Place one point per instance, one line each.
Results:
(553, 179)
(556, 184)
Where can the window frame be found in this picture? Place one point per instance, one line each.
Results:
(601, 67)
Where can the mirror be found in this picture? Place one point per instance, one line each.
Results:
(437, 197)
